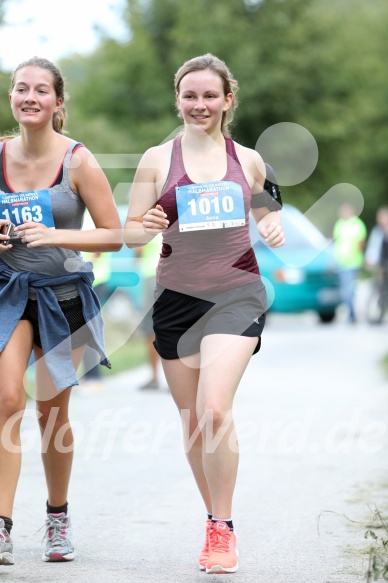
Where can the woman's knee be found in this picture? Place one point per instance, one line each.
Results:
(213, 414)
(55, 417)
(12, 402)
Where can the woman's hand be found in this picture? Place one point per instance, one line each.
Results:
(3, 237)
(155, 221)
(270, 228)
(35, 234)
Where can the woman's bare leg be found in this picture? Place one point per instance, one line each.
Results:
(57, 436)
(219, 378)
(13, 364)
(183, 383)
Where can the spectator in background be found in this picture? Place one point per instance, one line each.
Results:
(148, 257)
(91, 362)
(376, 253)
(349, 241)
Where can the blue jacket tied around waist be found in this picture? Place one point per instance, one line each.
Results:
(53, 327)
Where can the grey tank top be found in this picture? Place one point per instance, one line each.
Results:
(68, 212)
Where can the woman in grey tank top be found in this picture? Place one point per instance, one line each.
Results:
(46, 182)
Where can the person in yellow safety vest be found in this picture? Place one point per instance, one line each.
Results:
(349, 236)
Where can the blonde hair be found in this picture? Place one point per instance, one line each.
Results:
(59, 117)
(218, 67)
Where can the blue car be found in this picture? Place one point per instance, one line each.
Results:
(124, 279)
(299, 276)
(302, 275)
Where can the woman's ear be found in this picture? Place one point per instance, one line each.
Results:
(59, 104)
(228, 101)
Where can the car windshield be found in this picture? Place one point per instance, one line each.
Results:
(304, 241)
(299, 230)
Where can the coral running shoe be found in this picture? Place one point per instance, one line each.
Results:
(58, 545)
(223, 551)
(6, 546)
(204, 555)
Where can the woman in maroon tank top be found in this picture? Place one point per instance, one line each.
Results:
(197, 190)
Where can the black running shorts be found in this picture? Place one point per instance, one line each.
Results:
(181, 321)
(72, 310)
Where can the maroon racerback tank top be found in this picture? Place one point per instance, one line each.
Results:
(210, 260)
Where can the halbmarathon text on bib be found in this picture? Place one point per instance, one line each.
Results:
(210, 205)
(34, 205)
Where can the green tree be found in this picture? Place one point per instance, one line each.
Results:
(2, 10)
(318, 64)
(6, 119)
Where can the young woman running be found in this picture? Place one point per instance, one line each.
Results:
(46, 299)
(197, 190)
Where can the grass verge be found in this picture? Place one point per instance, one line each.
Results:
(385, 364)
(375, 554)
(132, 354)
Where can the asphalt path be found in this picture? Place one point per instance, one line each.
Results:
(311, 414)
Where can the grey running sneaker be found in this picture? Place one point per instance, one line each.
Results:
(6, 546)
(58, 545)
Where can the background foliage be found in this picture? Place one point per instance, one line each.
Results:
(318, 64)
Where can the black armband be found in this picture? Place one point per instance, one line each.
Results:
(270, 198)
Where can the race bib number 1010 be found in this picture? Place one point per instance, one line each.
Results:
(210, 205)
(34, 205)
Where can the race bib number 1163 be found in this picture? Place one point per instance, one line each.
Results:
(34, 205)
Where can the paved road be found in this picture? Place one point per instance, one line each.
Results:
(312, 418)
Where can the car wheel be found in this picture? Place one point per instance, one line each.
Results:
(327, 317)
